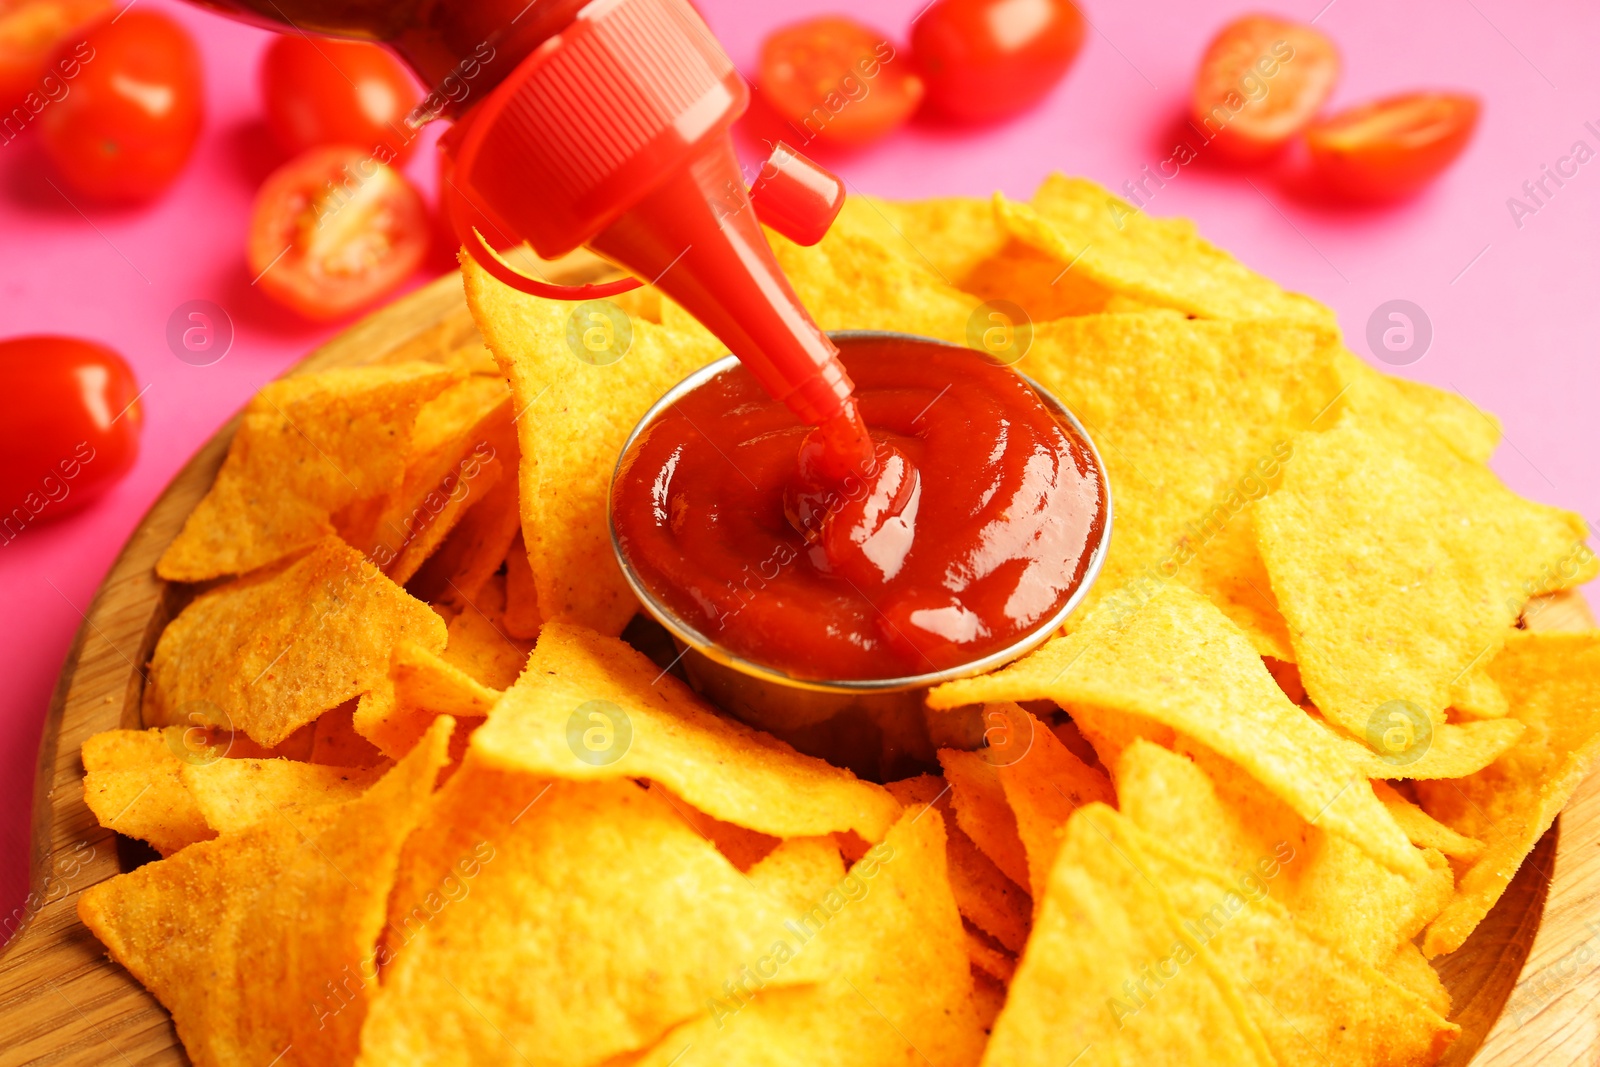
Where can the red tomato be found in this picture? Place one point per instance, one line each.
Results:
(69, 427)
(333, 230)
(837, 81)
(30, 33)
(132, 114)
(987, 59)
(1261, 81)
(326, 92)
(1391, 148)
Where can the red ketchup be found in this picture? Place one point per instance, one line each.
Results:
(962, 522)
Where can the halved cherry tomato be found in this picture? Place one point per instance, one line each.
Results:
(1391, 148)
(30, 33)
(986, 59)
(837, 81)
(69, 427)
(328, 92)
(1260, 82)
(131, 118)
(333, 230)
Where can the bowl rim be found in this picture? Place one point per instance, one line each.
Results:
(691, 638)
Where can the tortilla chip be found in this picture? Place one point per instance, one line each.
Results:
(667, 733)
(851, 282)
(899, 987)
(1157, 261)
(522, 618)
(1553, 680)
(1194, 420)
(421, 686)
(1474, 695)
(232, 794)
(1329, 885)
(572, 419)
(455, 462)
(270, 652)
(985, 897)
(1102, 928)
(1411, 969)
(456, 574)
(479, 643)
(1453, 751)
(989, 958)
(1411, 408)
(261, 942)
(336, 743)
(1179, 662)
(592, 921)
(743, 848)
(982, 813)
(949, 236)
(1399, 565)
(1423, 829)
(1314, 1002)
(1043, 788)
(134, 785)
(306, 446)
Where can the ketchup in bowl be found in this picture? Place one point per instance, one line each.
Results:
(968, 525)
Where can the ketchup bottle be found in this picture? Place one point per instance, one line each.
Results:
(605, 123)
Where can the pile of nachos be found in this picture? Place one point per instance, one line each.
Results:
(419, 792)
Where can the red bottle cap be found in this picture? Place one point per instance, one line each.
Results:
(614, 134)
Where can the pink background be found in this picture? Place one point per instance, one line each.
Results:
(1511, 307)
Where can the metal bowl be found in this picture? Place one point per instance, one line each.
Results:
(805, 711)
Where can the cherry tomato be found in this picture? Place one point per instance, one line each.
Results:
(30, 33)
(132, 115)
(987, 59)
(333, 230)
(326, 92)
(69, 427)
(837, 81)
(1391, 148)
(1260, 83)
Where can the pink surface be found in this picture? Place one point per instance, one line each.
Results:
(1510, 305)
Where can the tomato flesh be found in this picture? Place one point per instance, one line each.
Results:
(131, 118)
(30, 34)
(69, 427)
(1260, 83)
(987, 59)
(1391, 148)
(333, 230)
(328, 92)
(838, 82)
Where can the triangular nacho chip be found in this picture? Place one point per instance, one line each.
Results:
(233, 794)
(306, 446)
(262, 943)
(899, 987)
(589, 707)
(1553, 680)
(1399, 566)
(1178, 662)
(572, 418)
(270, 652)
(594, 921)
(134, 785)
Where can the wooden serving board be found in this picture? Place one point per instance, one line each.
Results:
(62, 1001)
